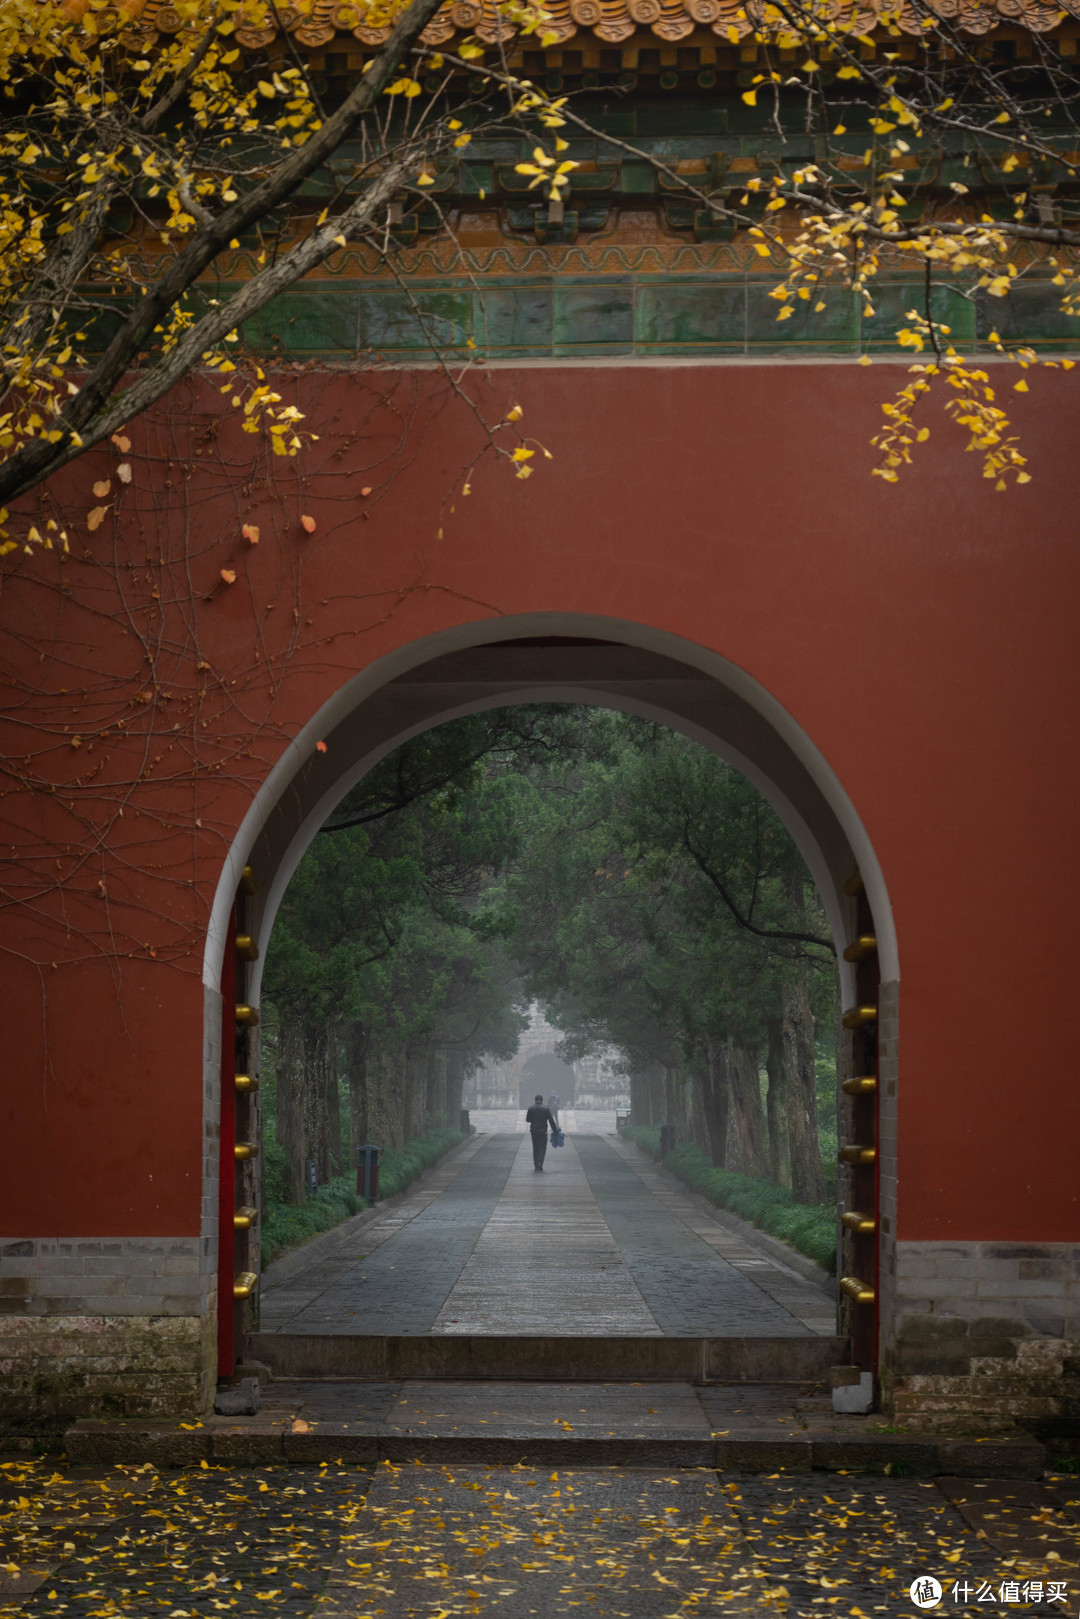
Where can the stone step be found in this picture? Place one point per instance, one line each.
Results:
(732, 1427)
(442, 1356)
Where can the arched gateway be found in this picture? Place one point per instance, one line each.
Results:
(573, 658)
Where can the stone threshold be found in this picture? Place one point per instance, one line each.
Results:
(444, 1356)
(248, 1443)
(734, 1428)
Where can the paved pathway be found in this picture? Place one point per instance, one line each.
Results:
(424, 1542)
(599, 1245)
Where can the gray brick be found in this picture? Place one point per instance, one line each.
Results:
(179, 1304)
(915, 1267)
(1034, 1270)
(148, 1286)
(1017, 1290)
(960, 1269)
(998, 1270)
(106, 1265)
(930, 1288)
(186, 1264)
(74, 1288)
(45, 1265)
(1018, 1250)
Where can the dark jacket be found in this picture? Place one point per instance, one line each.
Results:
(539, 1120)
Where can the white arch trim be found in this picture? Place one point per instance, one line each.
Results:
(463, 636)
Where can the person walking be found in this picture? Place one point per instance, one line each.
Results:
(539, 1118)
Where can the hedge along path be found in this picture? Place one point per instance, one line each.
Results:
(289, 1225)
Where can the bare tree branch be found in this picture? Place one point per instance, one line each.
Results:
(83, 416)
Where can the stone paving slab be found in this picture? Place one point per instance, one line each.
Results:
(393, 1275)
(547, 1260)
(1021, 1518)
(184, 1545)
(642, 1544)
(340, 1247)
(735, 1243)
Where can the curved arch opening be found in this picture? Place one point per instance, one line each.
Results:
(560, 659)
(471, 667)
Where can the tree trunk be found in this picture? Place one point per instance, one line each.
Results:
(356, 1044)
(395, 1097)
(715, 1097)
(807, 1179)
(432, 1102)
(417, 1093)
(657, 1093)
(778, 1068)
(700, 1133)
(316, 1115)
(640, 1101)
(379, 1124)
(455, 1081)
(747, 1113)
(671, 1104)
(289, 1120)
(332, 1084)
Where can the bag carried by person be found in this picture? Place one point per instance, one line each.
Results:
(557, 1138)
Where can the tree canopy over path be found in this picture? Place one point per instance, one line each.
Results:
(630, 880)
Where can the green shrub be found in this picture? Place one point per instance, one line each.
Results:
(275, 1168)
(809, 1229)
(400, 1165)
(287, 1225)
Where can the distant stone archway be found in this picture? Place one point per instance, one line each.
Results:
(546, 1073)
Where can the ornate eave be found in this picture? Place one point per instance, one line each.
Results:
(630, 26)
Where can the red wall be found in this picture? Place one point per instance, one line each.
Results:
(922, 634)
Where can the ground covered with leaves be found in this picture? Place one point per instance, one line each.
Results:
(341, 1542)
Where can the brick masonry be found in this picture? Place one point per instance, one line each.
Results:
(82, 1361)
(128, 1325)
(972, 1334)
(1034, 1384)
(982, 1334)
